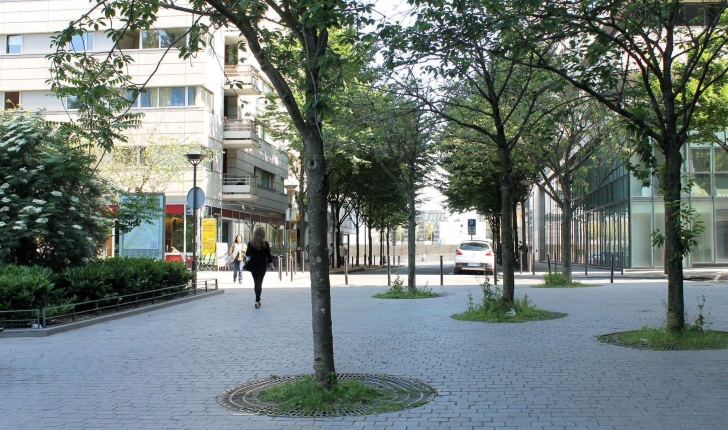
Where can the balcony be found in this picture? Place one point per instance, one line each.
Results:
(245, 78)
(242, 188)
(240, 134)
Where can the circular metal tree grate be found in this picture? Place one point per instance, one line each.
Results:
(403, 392)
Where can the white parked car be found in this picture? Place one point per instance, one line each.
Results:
(474, 255)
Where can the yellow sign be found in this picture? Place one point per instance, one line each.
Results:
(209, 235)
(298, 218)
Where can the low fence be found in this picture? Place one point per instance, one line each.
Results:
(72, 312)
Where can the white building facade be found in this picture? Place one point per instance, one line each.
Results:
(189, 101)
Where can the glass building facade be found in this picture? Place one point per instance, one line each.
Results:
(619, 216)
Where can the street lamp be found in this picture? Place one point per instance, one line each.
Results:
(194, 159)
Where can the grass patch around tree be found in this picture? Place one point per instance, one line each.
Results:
(694, 337)
(558, 280)
(399, 291)
(659, 339)
(309, 398)
(494, 309)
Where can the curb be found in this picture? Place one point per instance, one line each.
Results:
(43, 332)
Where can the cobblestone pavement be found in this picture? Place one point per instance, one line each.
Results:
(164, 369)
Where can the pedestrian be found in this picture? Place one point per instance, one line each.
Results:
(236, 256)
(260, 256)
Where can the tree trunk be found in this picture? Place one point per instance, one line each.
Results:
(318, 186)
(388, 254)
(411, 242)
(566, 239)
(371, 250)
(673, 247)
(515, 232)
(524, 255)
(507, 224)
(357, 245)
(381, 244)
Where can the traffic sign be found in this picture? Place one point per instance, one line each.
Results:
(200, 197)
(471, 227)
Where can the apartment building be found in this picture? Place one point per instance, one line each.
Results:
(188, 101)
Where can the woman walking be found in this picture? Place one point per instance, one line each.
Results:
(237, 257)
(260, 257)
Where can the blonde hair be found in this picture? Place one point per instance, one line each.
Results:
(258, 238)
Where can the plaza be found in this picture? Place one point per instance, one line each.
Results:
(164, 369)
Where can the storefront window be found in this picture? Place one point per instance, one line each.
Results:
(659, 253)
(721, 185)
(699, 159)
(721, 230)
(174, 233)
(703, 253)
(701, 185)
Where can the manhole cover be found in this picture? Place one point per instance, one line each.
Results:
(404, 392)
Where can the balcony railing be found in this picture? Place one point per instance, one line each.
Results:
(239, 180)
(247, 74)
(233, 124)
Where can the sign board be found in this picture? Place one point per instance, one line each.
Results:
(222, 254)
(292, 239)
(147, 239)
(471, 227)
(209, 235)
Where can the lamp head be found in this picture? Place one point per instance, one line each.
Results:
(195, 159)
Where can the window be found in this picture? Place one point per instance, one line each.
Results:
(148, 97)
(72, 102)
(14, 44)
(207, 99)
(174, 96)
(699, 159)
(174, 37)
(169, 96)
(265, 179)
(12, 99)
(82, 42)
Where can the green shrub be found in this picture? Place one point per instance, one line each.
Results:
(399, 291)
(558, 280)
(23, 288)
(494, 309)
(112, 277)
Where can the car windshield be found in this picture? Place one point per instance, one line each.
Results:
(474, 246)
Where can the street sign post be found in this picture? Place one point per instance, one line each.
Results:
(471, 228)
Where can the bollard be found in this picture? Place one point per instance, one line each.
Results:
(520, 271)
(621, 262)
(346, 272)
(441, 275)
(611, 275)
(303, 262)
(389, 278)
(586, 263)
(292, 262)
(286, 268)
(533, 263)
(495, 269)
(548, 261)
(295, 262)
(280, 268)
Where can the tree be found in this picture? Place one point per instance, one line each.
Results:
(498, 99)
(648, 62)
(398, 131)
(290, 42)
(582, 139)
(51, 202)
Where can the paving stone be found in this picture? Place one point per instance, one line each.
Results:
(164, 369)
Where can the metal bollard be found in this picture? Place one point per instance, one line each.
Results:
(586, 263)
(441, 275)
(548, 261)
(611, 274)
(520, 271)
(533, 263)
(280, 268)
(346, 272)
(495, 269)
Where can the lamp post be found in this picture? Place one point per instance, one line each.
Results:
(194, 159)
